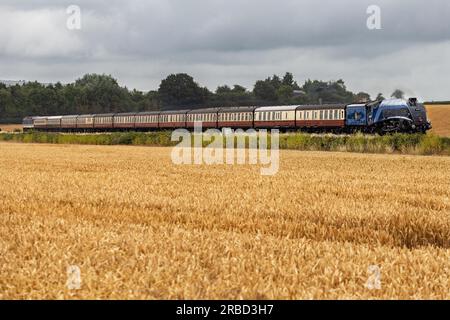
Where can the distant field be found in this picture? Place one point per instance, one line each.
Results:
(440, 119)
(10, 127)
(141, 227)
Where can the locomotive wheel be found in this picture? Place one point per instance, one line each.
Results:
(394, 126)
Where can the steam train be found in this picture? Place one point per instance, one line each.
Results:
(387, 116)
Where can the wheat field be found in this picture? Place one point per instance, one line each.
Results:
(138, 226)
(439, 116)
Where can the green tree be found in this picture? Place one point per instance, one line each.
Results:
(362, 97)
(284, 94)
(181, 89)
(265, 90)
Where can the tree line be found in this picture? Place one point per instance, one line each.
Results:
(94, 93)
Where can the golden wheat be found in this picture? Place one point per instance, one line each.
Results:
(140, 227)
(440, 119)
(10, 127)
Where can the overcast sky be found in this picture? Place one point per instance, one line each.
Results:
(232, 41)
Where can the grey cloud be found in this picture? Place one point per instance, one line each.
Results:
(222, 41)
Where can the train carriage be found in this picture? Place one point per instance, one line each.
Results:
(208, 118)
(147, 120)
(326, 117)
(40, 122)
(238, 117)
(275, 117)
(173, 119)
(85, 122)
(27, 124)
(54, 122)
(104, 121)
(69, 122)
(124, 121)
